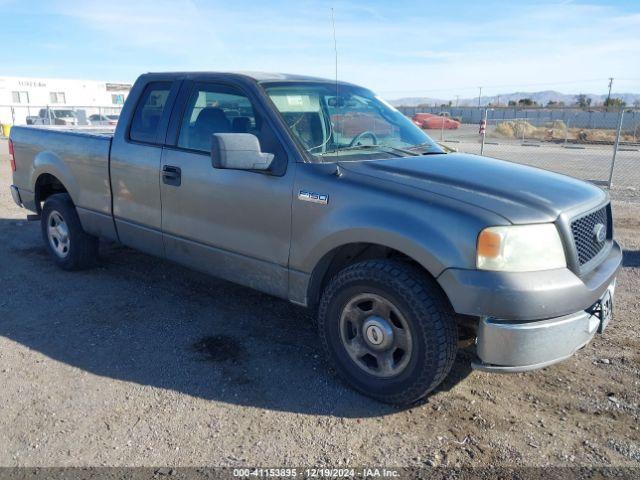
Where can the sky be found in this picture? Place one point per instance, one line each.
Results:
(399, 48)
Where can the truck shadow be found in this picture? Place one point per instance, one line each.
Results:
(631, 258)
(140, 319)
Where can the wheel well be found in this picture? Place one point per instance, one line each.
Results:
(47, 185)
(345, 255)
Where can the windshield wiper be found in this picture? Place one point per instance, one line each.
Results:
(389, 148)
(422, 145)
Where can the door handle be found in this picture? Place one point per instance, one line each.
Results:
(171, 175)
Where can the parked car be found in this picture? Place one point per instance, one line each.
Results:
(401, 249)
(431, 121)
(56, 116)
(448, 115)
(354, 123)
(102, 120)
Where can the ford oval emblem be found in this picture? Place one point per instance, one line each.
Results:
(599, 232)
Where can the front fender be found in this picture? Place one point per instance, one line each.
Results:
(437, 232)
(433, 248)
(428, 239)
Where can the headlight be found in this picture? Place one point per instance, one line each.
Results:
(520, 248)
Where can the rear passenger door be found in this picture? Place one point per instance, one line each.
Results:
(234, 224)
(135, 168)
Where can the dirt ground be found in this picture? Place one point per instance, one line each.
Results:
(558, 130)
(140, 362)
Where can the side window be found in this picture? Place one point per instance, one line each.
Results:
(149, 111)
(215, 109)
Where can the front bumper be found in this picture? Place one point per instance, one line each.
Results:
(528, 295)
(510, 347)
(530, 320)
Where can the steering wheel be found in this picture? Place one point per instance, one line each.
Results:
(361, 135)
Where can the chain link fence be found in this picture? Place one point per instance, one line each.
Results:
(601, 147)
(70, 115)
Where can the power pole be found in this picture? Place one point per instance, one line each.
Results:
(479, 95)
(609, 94)
(457, 98)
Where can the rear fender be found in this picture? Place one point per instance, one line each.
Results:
(47, 162)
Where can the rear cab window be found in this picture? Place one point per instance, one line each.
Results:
(145, 126)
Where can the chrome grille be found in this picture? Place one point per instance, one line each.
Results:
(584, 236)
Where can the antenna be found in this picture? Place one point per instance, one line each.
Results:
(335, 46)
(335, 50)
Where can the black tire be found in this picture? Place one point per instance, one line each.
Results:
(81, 248)
(427, 314)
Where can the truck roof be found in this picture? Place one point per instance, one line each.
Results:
(257, 76)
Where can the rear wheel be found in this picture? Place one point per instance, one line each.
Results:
(388, 330)
(69, 245)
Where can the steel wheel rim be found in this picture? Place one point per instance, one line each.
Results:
(376, 335)
(58, 234)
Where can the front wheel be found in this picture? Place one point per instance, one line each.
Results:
(388, 330)
(71, 248)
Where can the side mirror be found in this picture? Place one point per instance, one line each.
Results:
(238, 151)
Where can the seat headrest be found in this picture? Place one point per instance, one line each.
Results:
(241, 124)
(212, 119)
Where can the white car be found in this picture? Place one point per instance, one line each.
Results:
(55, 116)
(104, 120)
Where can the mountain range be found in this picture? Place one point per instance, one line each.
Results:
(542, 98)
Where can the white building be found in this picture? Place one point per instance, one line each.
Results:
(22, 97)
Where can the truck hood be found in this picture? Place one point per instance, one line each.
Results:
(519, 193)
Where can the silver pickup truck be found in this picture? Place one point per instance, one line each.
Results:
(323, 194)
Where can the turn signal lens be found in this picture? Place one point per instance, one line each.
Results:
(488, 244)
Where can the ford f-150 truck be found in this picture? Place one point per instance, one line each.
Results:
(405, 252)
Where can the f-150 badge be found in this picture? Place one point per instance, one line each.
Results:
(313, 197)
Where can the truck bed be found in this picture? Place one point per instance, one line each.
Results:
(78, 156)
(83, 129)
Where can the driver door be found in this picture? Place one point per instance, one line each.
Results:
(234, 224)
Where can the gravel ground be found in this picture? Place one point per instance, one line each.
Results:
(140, 362)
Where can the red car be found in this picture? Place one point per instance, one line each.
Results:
(431, 121)
(354, 123)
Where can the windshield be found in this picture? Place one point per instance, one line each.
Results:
(355, 124)
(64, 114)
